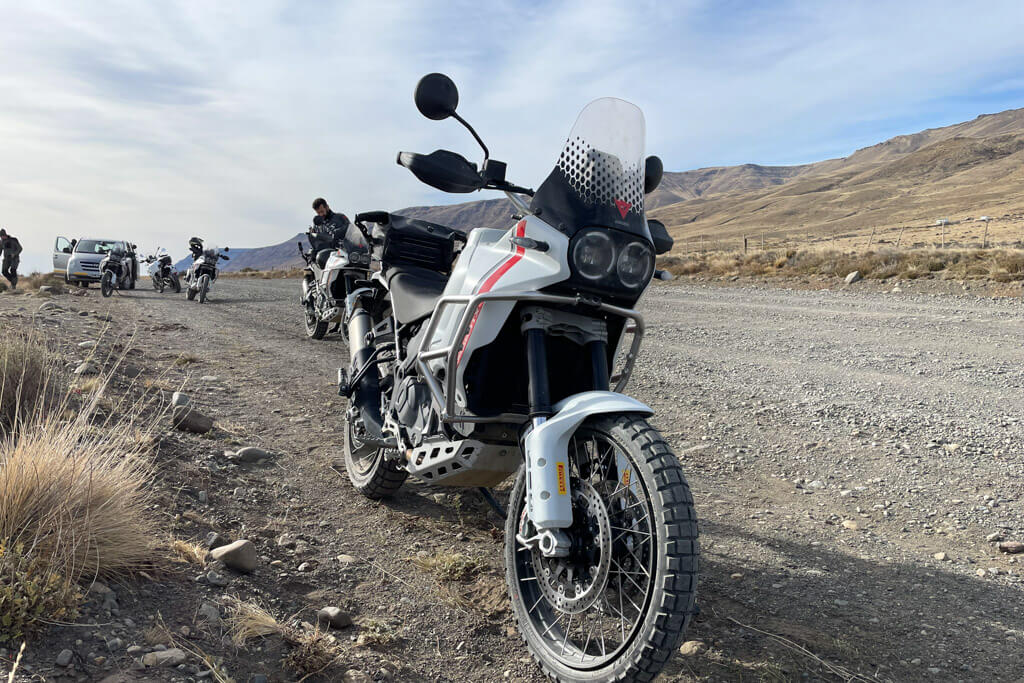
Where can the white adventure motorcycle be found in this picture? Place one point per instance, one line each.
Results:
(475, 358)
(203, 273)
(329, 276)
(161, 271)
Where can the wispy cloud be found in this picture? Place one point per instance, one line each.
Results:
(163, 120)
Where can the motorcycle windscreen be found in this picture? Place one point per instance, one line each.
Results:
(599, 179)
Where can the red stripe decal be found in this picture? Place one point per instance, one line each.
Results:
(492, 280)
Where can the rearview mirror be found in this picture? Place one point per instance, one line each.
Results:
(663, 242)
(653, 170)
(436, 96)
(227, 248)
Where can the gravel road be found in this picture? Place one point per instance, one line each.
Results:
(850, 454)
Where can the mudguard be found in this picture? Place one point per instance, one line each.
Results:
(549, 503)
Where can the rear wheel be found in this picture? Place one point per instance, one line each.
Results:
(175, 283)
(617, 606)
(369, 468)
(107, 283)
(204, 287)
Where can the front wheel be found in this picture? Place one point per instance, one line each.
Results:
(203, 287)
(618, 605)
(158, 284)
(175, 283)
(107, 283)
(315, 328)
(369, 469)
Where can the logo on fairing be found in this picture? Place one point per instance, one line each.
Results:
(562, 488)
(623, 206)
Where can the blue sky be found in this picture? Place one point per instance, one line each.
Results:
(224, 119)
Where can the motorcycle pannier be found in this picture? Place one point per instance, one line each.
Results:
(412, 242)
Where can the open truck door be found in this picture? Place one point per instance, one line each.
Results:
(61, 253)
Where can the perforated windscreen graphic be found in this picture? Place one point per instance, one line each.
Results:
(602, 178)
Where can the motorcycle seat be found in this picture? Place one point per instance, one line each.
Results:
(414, 292)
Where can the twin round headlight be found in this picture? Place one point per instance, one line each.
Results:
(609, 257)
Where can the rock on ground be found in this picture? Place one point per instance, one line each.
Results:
(240, 555)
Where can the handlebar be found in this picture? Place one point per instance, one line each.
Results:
(225, 257)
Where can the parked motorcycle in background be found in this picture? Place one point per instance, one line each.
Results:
(330, 275)
(116, 271)
(503, 353)
(203, 273)
(161, 271)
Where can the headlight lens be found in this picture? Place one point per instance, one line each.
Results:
(635, 264)
(594, 255)
(611, 261)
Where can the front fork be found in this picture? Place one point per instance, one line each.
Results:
(548, 485)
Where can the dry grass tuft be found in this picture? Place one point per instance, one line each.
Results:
(247, 621)
(77, 497)
(311, 650)
(31, 385)
(192, 553)
(186, 359)
(450, 566)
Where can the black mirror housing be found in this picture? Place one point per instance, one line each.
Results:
(653, 171)
(663, 242)
(436, 96)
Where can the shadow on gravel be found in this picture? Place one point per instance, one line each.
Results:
(823, 612)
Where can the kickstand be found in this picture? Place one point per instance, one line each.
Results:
(492, 501)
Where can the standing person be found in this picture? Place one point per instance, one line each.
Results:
(10, 248)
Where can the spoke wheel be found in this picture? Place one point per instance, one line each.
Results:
(370, 469)
(618, 604)
(315, 328)
(107, 283)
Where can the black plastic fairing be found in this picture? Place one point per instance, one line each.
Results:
(561, 206)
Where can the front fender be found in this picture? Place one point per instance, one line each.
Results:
(548, 499)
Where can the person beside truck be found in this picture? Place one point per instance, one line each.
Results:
(10, 250)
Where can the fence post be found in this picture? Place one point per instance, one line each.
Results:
(762, 240)
(984, 242)
(872, 238)
(900, 238)
(744, 244)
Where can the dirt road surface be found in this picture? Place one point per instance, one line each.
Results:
(849, 454)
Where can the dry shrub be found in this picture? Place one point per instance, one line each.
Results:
(192, 553)
(450, 566)
(77, 497)
(32, 593)
(311, 650)
(30, 383)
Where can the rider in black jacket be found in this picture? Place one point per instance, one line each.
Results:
(331, 230)
(10, 251)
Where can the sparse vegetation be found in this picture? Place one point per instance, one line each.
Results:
(31, 593)
(186, 359)
(999, 265)
(311, 650)
(450, 566)
(30, 386)
(187, 551)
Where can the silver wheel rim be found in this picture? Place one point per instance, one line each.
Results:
(589, 633)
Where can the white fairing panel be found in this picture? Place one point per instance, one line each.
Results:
(335, 262)
(490, 262)
(549, 503)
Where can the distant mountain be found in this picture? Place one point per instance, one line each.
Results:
(975, 167)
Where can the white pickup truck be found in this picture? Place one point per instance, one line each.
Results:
(79, 260)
